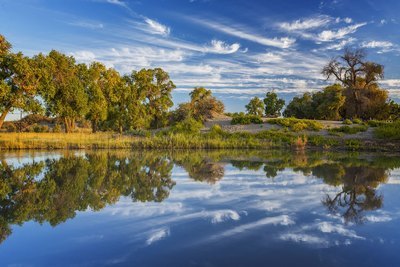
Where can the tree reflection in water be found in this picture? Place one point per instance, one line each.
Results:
(75, 183)
(54, 190)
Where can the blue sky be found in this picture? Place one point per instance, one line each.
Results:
(238, 49)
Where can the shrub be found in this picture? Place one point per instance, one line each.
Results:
(347, 122)
(297, 124)
(57, 128)
(187, 126)
(349, 129)
(376, 123)
(357, 121)
(388, 131)
(246, 119)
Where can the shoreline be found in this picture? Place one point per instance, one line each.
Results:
(268, 139)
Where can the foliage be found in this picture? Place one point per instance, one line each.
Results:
(62, 86)
(297, 124)
(347, 122)
(18, 82)
(357, 121)
(388, 131)
(322, 105)
(273, 104)
(255, 107)
(246, 119)
(188, 126)
(359, 77)
(349, 129)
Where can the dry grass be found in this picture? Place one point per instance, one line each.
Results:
(10, 141)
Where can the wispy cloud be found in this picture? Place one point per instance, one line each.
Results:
(157, 28)
(220, 47)
(377, 44)
(246, 34)
(87, 24)
(330, 35)
(305, 24)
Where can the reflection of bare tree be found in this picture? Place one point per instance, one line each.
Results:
(358, 192)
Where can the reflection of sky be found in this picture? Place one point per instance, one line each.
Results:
(245, 219)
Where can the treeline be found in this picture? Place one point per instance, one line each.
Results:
(55, 84)
(355, 95)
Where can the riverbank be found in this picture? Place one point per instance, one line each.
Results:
(213, 138)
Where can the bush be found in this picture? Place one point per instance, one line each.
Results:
(347, 122)
(357, 121)
(142, 133)
(349, 130)
(297, 124)
(376, 123)
(10, 127)
(57, 128)
(246, 119)
(187, 126)
(388, 131)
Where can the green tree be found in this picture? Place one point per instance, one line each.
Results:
(18, 82)
(300, 107)
(97, 87)
(359, 77)
(63, 87)
(273, 104)
(327, 103)
(255, 107)
(154, 88)
(204, 105)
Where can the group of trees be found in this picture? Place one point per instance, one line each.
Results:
(56, 84)
(270, 106)
(356, 94)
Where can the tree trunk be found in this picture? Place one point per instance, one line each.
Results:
(3, 116)
(66, 125)
(94, 126)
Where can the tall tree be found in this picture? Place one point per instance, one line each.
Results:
(154, 86)
(359, 78)
(18, 82)
(255, 107)
(273, 104)
(101, 88)
(63, 87)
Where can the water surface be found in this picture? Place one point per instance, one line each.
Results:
(199, 208)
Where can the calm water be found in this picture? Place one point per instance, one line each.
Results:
(220, 208)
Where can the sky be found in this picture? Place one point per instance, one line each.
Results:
(238, 49)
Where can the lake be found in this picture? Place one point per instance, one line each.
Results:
(199, 208)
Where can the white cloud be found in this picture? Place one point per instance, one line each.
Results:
(223, 215)
(330, 35)
(87, 24)
(157, 235)
(84, 56)
(377, 44)
(339, 46)
(157, 28)
(305, 24)
(220, 47)
(246, 34)
(304, 238)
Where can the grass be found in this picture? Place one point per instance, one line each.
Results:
(388, 131)
(246, 119)
(297, 125)
(348, 129)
